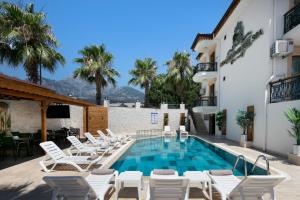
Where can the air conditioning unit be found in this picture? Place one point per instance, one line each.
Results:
(282, 48)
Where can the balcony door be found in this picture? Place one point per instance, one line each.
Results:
(295, 65)
(212, 57)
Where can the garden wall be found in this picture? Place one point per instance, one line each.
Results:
(128, 120)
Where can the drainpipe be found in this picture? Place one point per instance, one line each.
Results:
(267, 93)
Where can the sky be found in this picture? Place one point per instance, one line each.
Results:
(130, 30)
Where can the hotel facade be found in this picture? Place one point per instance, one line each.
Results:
(251, 61)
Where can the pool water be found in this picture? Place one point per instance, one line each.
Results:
(193, 154)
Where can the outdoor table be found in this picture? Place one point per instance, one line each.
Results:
(198, 179)
(130, 179)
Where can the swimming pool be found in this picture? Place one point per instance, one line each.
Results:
(190, 155)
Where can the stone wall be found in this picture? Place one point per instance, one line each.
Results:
(129, 120)
(26, 117)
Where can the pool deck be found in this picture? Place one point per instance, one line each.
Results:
(24, 180)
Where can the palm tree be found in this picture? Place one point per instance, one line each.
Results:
(143, 74)
(180, 72)
(96, 67)
(26, 39)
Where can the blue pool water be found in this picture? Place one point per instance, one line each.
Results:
(191, 155)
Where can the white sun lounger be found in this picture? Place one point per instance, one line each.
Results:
(93, 140)
(251, 187)
(81, 148)
(77, 187)
(122, 138)
(58, 157)
(182, 128)
(175, 188)
(113, 141)
(167, 128)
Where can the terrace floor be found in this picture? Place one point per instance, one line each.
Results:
(24, 180)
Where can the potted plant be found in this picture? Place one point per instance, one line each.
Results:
(244, 119)
(220, 116)
(293, 116)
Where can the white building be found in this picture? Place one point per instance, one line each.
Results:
(237, 71)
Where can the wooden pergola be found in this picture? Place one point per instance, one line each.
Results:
(15, 89)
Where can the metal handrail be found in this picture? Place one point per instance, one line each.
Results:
(267, 164)
(237, 161)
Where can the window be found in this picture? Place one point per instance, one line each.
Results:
(154, 119)
(296, 2)
(295, 65)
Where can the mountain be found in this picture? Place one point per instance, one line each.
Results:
(84, 90)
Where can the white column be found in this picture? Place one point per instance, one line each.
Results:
(137, 104)
(164, 106)
(106, 103)
(182, 107)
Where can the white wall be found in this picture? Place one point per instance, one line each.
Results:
(278, 139)
(129, 120)
(247, 78)
(26, 117)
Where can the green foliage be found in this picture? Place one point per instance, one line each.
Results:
(220, 117)
(26, 39)
(96, 67)
(244, 119)
(177, 85)
(293, 116)
(143, 75)
(161, 91)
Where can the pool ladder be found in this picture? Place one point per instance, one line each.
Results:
(254, 165)
(237, 161)
(267, 164)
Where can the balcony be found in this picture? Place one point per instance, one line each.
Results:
(205, 71)
(292, 24)
(206, 105)
(287, 89)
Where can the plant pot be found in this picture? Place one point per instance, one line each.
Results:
(296, 149)
(243, 140)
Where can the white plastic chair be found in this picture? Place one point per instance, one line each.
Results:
(59, 157)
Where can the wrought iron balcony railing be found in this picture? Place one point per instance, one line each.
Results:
(285, 89)
(206, 67)
(292, 18)
(206, 101)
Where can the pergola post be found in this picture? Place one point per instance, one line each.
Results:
(44, 107)
(85, 119)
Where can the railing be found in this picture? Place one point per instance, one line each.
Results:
(267, 164)
(206, 67)
(206, 101)
(144, 134)
(292, 18)
(285, 89)
(245, 164)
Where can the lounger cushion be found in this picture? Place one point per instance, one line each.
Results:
(102, 171)
(220, 172)
(164, 172)
(93, 157)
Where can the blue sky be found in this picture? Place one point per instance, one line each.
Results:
(130, 29)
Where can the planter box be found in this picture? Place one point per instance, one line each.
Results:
(244, 143)
(296, 150)
(295, 159)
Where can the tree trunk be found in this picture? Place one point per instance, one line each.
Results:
(98, 88)
(146, 98)
(32, 73)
